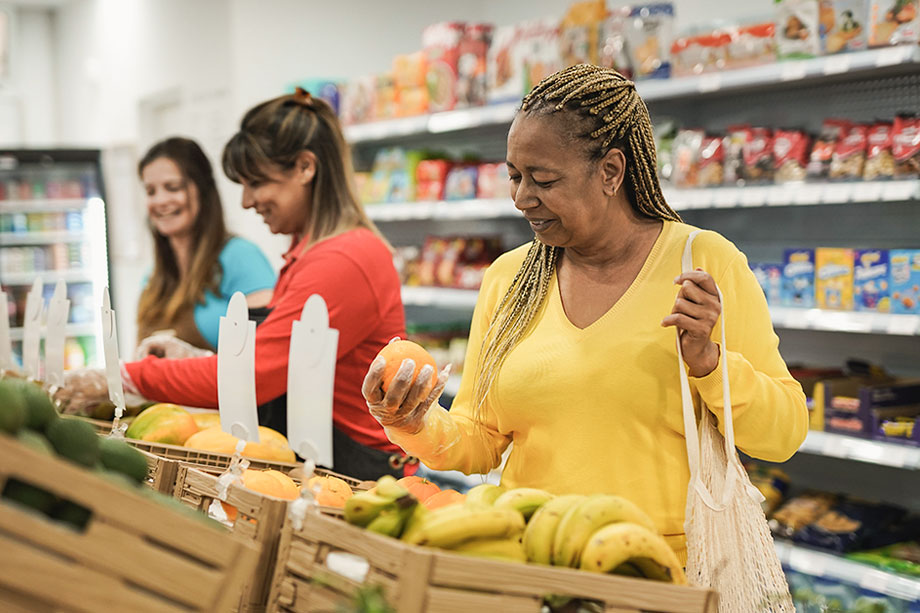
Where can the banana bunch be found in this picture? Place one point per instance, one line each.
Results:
(386, 509)
(602, 533)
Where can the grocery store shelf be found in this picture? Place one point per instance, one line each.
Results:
(845, 321)
(439, 296)
(40, 238)
(823, 564)
(44, 205)
(793, 194)
(71, 330)
(48, 276)
(861, 450)
(766, 76)
(449, 209)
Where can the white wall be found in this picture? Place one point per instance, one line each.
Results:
(27, 99)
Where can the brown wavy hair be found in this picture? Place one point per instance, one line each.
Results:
(168, 293)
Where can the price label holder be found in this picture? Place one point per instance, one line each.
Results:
(867, 191)
(6, 343)
(112, 365)
(58, 309)
(900, 191)
(311, 379)
(793, 71)
(780, 195)
(810, 563)
(797, 319)
(903, 325)
(709, 82)
(875, 580)
(808, 193)
(891, 56)
(725, 197)
(837, 193)
(236, 371)
(31, 331)
(753, 196)
(836, 64)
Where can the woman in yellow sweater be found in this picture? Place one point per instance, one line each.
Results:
(572, 345)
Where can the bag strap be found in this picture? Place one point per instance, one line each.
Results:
(690, 426)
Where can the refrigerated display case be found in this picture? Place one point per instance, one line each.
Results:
(53, 225)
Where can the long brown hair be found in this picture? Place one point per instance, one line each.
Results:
(168, 292)
(602, 110)
(272, 135)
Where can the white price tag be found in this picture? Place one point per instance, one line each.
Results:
(753, 196)
(797, 319)
(793, 71)
(31, 330)
(725, 197)
(896, 455)
(836, 64)
(875, 580)
(903, 325)
(808, 193)
(236, 371)
(699, 198)
(814, 564)
(867, 191)
(710, 82)
(898, 191)
(780, 195)
(837, 192)
(833, 448)
(891, 55)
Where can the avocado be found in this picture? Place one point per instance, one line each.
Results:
(35, 441)
(75, 440)
(28, 495)
(40, 411)
(121, 457)
(12, 406)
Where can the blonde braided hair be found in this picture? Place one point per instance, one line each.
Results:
(605, 110)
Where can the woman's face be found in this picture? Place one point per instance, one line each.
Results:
(282, 199)
(559, 191)
(172, 200)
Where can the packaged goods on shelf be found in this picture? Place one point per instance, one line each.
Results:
(711, 165)
(385, 97)
(879, 159)
(894, 22)
(612, 51)
(834, 278)
(649, 34)
(757, 156)
(458, 261)
(798, 288)
(358, 100)
(819, 162)
(538, 51)
(814, 594)
(504, 74)
(797, 29)
(461, 182)
(905, 280)
(430, 179)
(849, 156)
(905, 146)
(844, 25)
(771, 482)
(698, 53)
(441, 44)
(903, 558)
(409, 78)
(685, 157)
(579, 32)
(491, 180)
(871, 274)
(770, 278)
(472, 65)
(861, 405)
(751, 45)
(393, 176)
(790, 155)
(324, 89)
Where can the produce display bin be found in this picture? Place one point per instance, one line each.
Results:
(415, 579)
(134, 554)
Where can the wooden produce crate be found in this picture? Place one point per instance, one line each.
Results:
(134, 554)
(416, 579)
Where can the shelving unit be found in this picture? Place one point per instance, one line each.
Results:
(71, 330)
(42, 205)
(48, 276)
(40, 238)
(846, 447)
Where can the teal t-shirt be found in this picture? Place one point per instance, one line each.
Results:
(245, 269)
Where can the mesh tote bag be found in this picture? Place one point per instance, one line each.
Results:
(729, 545)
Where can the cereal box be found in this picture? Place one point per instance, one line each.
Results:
(870, 280)
(504, 74)
(834, 278)
(797, 29)
(843, 25)
(770, 278)
(894, 22)
(649, 37)
(471, 65)
(798, 288)
(905, 280)
(441, 44)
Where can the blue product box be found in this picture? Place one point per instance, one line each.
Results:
(770, 277)
(870, 280)
(905, 280)
(798, 289)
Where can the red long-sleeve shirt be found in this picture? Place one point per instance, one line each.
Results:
(354, 273)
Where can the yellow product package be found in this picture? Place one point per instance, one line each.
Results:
(834, 278)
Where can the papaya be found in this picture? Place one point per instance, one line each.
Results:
(272, 445)
(163, 423)
(206, 420)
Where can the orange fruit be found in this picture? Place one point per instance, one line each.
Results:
(397, 351)
(422, 489)
(330, 491)
(443, 499)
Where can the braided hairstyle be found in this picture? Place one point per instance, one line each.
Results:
(602, 111)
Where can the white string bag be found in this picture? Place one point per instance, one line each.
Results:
(729, 545)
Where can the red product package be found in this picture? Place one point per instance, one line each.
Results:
(905, 146)
(752, 45)
(819, 162)
(757, 156)
(430, 178)
(492, 181)
(711, 165)
(471, 65)
(879, 158)
(790, 155)
(850, 153)
(441, 44)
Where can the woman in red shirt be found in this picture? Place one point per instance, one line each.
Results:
(295, 169)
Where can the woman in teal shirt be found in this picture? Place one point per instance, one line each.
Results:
(198, 265)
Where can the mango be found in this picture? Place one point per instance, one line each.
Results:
(163, 423)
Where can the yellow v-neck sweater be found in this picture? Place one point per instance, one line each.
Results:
(598, 409)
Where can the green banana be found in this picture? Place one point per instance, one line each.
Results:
(363, 507)
(584, 519)
(391, 522)
(524, 500)
(388, 488)
(415, 521)
(484, 495)
(621, 543)
(507, 550)
(449, 530)
(541, 529)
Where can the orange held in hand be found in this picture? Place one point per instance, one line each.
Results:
(397, 351)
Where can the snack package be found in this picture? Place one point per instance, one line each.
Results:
(358, 100)
(441, 44)
(649, 34)
(849, 157)
(894, 22)
(579, 32)
(686, 158)
(834, 278)
(430, 178)
(385, 101)
(757, 156)
(461, 182)
(471, 66)
(797, 29)
(798, 278)
(538, 50)
(770, 278)
(411, 91)
(492, 180)
(819, 162)
(790, 155)
(800, 511)
(844, 25)
(504, 73)
(901, 558)
(879, 159)
(848, 525)
(664, 131)
(733, 152)
(612, 42)
(711, 173)
(905, 280)
(699, 53)
(752, 45)
(870, 280)
(905, 147)
(772, 483)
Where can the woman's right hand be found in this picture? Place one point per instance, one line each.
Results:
(168, 346)
(404, 404)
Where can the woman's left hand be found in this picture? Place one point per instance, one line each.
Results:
(695, 313)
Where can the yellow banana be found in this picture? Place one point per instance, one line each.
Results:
(625, 542)
(541, 529)
(388, 488)
(476, 523)
(422, 516)
(484, 495)
(363, 507)
(524, 500)
(508, 550)
(414, 522)
(583, 520)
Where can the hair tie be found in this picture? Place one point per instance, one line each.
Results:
(302, 97)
